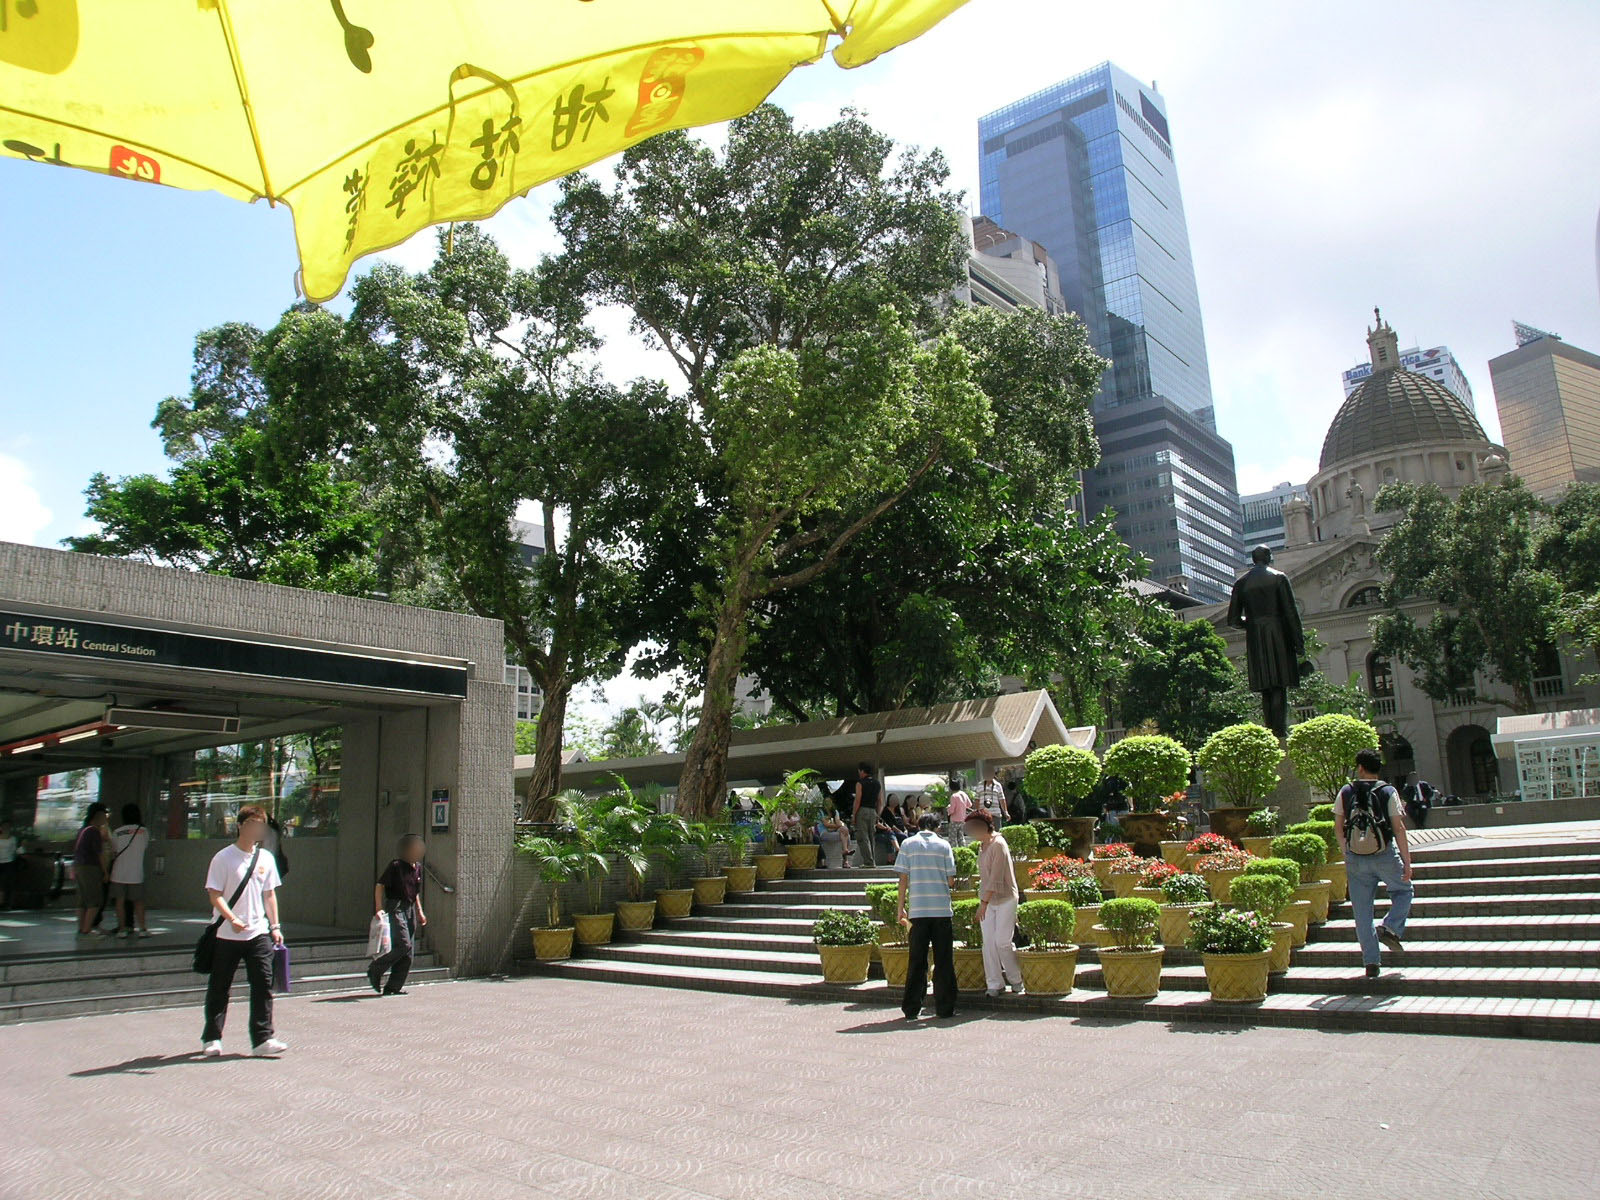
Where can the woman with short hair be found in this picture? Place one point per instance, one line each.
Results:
(997, 904)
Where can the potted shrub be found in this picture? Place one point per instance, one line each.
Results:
(709, 889)
(740, 872)
(675, 900)
(1235, 947)
(969, 946)
(1219, 868)
(1333, 868)
(1207, 843)
(1071, 879)
(1267, 896)
(966, 873)
(1050, 960)
(1129, 958)
(1024, 843)
(1260, 827)
(1323, 751)
(1181, 894)
(1061, 776)
(1241, 765)
(558, 864)
(1053, 841)
(773, 862)
(1155, 766)
(798, 797)
(1156, 873)
(1125, 873)
(1086, 896)
(1308, 852)
(1297, 912)
(844, 943)
(1320, 812)
(1103, 858)
(1174, 847)
(884, 901)
(631, 829)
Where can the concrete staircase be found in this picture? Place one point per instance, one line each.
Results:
(1504, 940)
(49, 986)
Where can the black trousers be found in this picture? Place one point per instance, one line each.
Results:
(937, 933)
(256, 954)
(402, 935)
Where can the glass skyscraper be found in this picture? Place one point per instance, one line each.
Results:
(1086, 169)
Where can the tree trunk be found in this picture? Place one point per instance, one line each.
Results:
(546, 779)
(703, 786)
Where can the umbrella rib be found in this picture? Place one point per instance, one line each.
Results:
(244, 97)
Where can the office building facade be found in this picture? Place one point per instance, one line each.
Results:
(1086, 168)
(1548, 394)
(1436, 362)
(1262, 512)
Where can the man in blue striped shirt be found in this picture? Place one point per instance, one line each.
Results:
(927, 867)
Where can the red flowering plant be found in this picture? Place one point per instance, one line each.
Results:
(1114, 850)
(1132, 865)
(1209, 843)
(1056, 874)
(1224, 860)
(1157, 873)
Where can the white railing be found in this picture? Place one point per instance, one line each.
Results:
(1383, 706)
(1549, 687)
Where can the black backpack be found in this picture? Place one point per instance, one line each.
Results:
(1367, 828)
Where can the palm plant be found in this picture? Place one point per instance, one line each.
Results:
(560, 862)
(737, 839)
(705, 837)
(796, 794)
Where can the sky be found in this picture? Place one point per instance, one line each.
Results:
(1440, 159)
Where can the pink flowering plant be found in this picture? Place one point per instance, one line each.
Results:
(1224, 860)
(1132, 865)
(1157, 873)
(1114, 850)
(1209, 843)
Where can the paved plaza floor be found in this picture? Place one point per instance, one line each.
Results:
(545, 1088)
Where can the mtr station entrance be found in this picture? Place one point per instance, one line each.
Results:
(351, 721)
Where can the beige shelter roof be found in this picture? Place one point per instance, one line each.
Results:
(998, 730)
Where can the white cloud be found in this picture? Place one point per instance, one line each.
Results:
(23, 514)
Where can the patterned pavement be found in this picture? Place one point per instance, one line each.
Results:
(537, 1088)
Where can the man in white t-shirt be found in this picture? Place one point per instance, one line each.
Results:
(248, 932)
(129, 841)
(991, 797)
(1370, 821)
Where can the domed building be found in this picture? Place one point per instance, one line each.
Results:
(1398, 426)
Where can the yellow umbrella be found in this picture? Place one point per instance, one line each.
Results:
(373, 119)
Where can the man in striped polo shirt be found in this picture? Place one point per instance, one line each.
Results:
(927, 866)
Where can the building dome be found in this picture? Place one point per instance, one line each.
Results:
(1394, 408)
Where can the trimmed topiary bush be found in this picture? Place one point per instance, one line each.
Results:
(1154, 765)
(1131, 921)
(1186, 889)
(1241, 762)
(1326, 830)
(964, 921)
(1323, 750)
(884, 900)
(1023, 840)
(1284, 868)
(1320, 812)
(1306, 849)
(1048, 923)
(966, 862)
(1263, 894)
(1060, 776)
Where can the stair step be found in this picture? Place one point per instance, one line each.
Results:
(1477, 928)
(1508, 885)
(170, 978)
(134, 957)
(709, 957)
(1397, 979)
(1553, 864)
(1503, 905)
(1483, 850)
(1462, 953)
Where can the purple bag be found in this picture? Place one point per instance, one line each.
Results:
(280, 969)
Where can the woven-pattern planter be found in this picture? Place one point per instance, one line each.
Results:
(740, 879)
(636, 914)
(1315, 891)
(593, 929)
(1102, 870)
(771, 866)
(803, 856)
(1261, 847)
(1020, 868)
(963, 894)
(1298, 915)
(1338, 881)
(1048, 972)
(712, 889)
(1131, 974)
(1083, 930)
(896, 961)
(1219, 883)
(1175, 924)
(1175, 853)
(845, 964)
(1148, 893)
(1123, 884)
(550, 945)
(674, 902)
(1282, 940)
(1237, 978)
(969, 969)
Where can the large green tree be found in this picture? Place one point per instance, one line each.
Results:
(1180, 677)
(1567, 544)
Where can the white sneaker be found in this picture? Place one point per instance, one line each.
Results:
(269, 1047)
(211, 1050)
(1018, 990)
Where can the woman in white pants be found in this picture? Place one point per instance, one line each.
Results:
(997, 904)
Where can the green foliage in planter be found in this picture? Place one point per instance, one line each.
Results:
(1154, 766)
(1214, 929)
(1263, 894)
(1023, 840)
(1084, 891)
(836, 927)
(1326, 830)
(737, 839)
(1051, 838)
(1320, 812)
(1241, 762)
(964, 920)
(1264, 822)
(559, 863)
(1048, 923)
(966, 861)
(1061, 775)
(1307, 849)
(1285, 868)
(1323, 750)
(1186, 889)
(1132, 921)
(884, 900)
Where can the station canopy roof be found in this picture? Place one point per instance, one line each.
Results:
(998, 730)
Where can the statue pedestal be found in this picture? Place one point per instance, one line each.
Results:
(1292, 797)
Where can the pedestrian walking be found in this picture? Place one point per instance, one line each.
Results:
(1372, 831)
(997, 905)
(90, 854)
(864, 813)
(927, 867)
(1419, 796)
(960, 806)
(129, 841)
(399, 893)
(990, 796)
(242, 883)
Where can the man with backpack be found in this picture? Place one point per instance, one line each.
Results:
(1372, 831)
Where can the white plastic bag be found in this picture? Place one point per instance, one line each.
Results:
(378, 942)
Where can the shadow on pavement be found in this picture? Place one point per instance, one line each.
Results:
(152, 1062)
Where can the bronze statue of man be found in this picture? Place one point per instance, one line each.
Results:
(1263, 606)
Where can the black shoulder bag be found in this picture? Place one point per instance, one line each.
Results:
(205, 949)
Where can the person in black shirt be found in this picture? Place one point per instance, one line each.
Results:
(864, 813)
(399, 893)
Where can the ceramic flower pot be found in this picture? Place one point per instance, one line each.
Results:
(1219, 883)
(593, 929)
(1175, 924)
(740, 879)
(1175, 853)
(969, 969)
(674, 902)
(1083, 930)
(771, 866)
(636, 914)
(1145, 832)
(1047, 972)
(896, 958)
(1133, 974)
(1315, 891)
(1237, 978)
(802, 856)
(1338, 881)
(1282, 940)
(713, 889)
(1124, 884)
(845, 964)
(1298, 914)
(550, 945)
(1261, 847)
